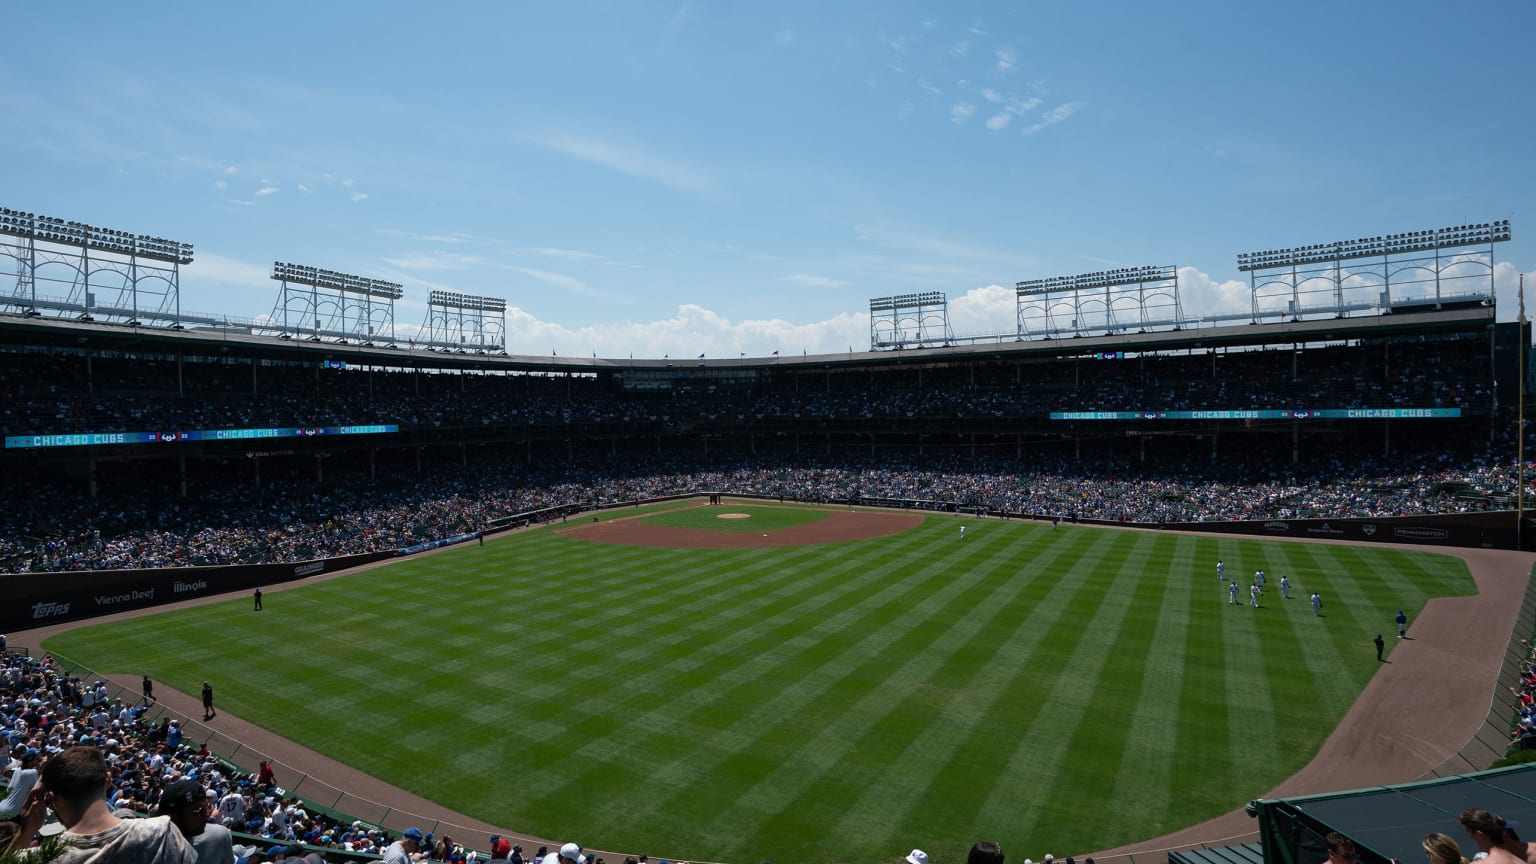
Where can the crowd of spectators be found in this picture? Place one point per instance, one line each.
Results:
(45, 393)
(44, 711)
(53, 525)
(56, 527)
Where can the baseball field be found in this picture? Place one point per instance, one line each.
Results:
(755, 682)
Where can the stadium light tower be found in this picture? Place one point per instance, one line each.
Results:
(1422, 258)
(909, 321)
(339, 305)
(131, 265)
(457, 322)
(1152, 292)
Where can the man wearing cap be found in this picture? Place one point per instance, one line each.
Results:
(186, 802)
(570, 853)
(76, 782)
(22, 781)
(400, 851)
(501, 848)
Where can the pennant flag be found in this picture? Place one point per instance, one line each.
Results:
(701, 356)
(775, 353)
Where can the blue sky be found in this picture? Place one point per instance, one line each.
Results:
(648, 178)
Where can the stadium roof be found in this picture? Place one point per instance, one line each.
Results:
(1424, 320)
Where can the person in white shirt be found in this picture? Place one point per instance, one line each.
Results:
(22, 781)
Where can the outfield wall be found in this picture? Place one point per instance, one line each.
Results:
(1493, 530)
(38, 599)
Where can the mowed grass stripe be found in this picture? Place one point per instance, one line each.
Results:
(866, 673)
(922, 734)
(1065, 677)
(867, 580)
(814, 799)
(999, 701)
(1106, 731)
(761, 703)
(1147, 759)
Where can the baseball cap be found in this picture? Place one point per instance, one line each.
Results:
(182, 793)
(572, 852)
(413, 834)
(917, 856)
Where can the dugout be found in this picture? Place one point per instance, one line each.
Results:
(1389, 822)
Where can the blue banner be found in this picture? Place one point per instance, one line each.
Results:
(1266, 414)
(88, 439)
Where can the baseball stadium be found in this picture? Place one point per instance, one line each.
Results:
(1115, 581)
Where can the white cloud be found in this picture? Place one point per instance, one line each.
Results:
(682, 337)
(998, 122)
(985, 311)
(784, 37)
(928, 87)
(567, 254)
(219, 184)
(231, 169)
(209, 267)
(452, 237)
(960, 49)
(265, 191)
(814, 281)
(359, 196)
(1054, 116)
(1007, 58)
(1200, 295)
(559, 280)
(303, 188)
(976, 29)
(895, 43)
(436, 261)
(627, 159)
(961, 112)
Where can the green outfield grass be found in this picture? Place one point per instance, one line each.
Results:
(1053, 690)
(757, 518)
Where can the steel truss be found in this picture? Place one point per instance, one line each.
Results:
(1106, 302)
(909, 321)
(464, 322)
(1375, 274)
(70, 269)
(321, 304)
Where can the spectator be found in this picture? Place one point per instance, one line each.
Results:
(76, 780)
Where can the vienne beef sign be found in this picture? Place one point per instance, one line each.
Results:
(72, 596)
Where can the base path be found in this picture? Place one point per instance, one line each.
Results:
(1386, 737)
(838, 526)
